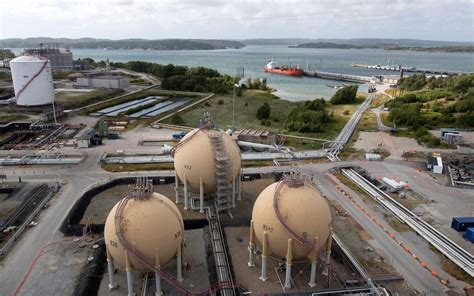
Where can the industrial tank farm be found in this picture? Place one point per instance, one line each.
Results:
(32, 81)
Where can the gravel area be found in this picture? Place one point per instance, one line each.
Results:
(368, 141)
(57, 271)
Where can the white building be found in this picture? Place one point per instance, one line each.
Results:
(391, 79)
(435, 164)
(113, 82)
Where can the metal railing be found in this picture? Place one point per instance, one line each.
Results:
(11, 240)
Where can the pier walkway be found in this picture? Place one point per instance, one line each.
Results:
(410, 69)
(338, 76)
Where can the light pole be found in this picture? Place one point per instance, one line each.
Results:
(233, 106)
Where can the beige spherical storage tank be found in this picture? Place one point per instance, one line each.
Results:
(153, 225)
(304, 214)
(194, 158)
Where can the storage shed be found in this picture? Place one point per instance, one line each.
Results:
(435, 164)
(462, 223)
(469, 234)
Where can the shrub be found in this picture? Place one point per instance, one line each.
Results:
(413, 82)
(307, 121)
(316, 105)
(347, 112)
(220, 102)
(263, 112)
(345, 95)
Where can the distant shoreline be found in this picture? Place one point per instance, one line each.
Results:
(222, 44)
(330, 45)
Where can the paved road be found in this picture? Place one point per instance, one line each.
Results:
(89, 173)
(380, 125)
(419, 278)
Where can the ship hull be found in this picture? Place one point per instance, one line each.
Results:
(289, 72)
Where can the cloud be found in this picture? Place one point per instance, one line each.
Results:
(429, 19)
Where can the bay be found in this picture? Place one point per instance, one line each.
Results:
(254, 58)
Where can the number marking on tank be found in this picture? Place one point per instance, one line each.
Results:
(267, 228)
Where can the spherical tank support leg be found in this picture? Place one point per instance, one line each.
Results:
(233, 192)
(128, 270)
(328, 254)
(157, 275)
(251, 262)
(239, 187)
(263, 276)
(185, 189)
(176, 187)
(289, 261)
(179, 275)
(314, 258)
(201, 196)
(111, 270)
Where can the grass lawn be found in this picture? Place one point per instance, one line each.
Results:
(384, 117)
(391, 91)
(220, 108)
(72, 100)
(141, 94)
(12, 117)
(246, 107)
(379, 100)
(368, 122)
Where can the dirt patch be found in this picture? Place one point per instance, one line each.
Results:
(451, 268)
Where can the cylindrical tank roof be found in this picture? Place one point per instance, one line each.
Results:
(195, 158)
(302, 209)
(32, 81)
(152, 225)
(27, 59)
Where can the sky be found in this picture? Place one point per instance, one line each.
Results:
(449, 20)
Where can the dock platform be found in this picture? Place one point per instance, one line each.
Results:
(397, 68)
(337, 76)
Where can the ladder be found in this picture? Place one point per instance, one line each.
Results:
(223, 167)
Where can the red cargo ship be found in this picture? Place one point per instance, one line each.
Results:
(272, 67)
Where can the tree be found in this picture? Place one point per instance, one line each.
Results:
(307, 121)
(263, 112)
(413, 82)
(316, 105)
(345, 95)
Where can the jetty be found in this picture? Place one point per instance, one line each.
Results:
(338, 76)
(397, 68)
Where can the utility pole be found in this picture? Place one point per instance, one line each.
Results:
(233, 109)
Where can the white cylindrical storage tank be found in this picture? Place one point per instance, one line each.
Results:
(32, 81)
